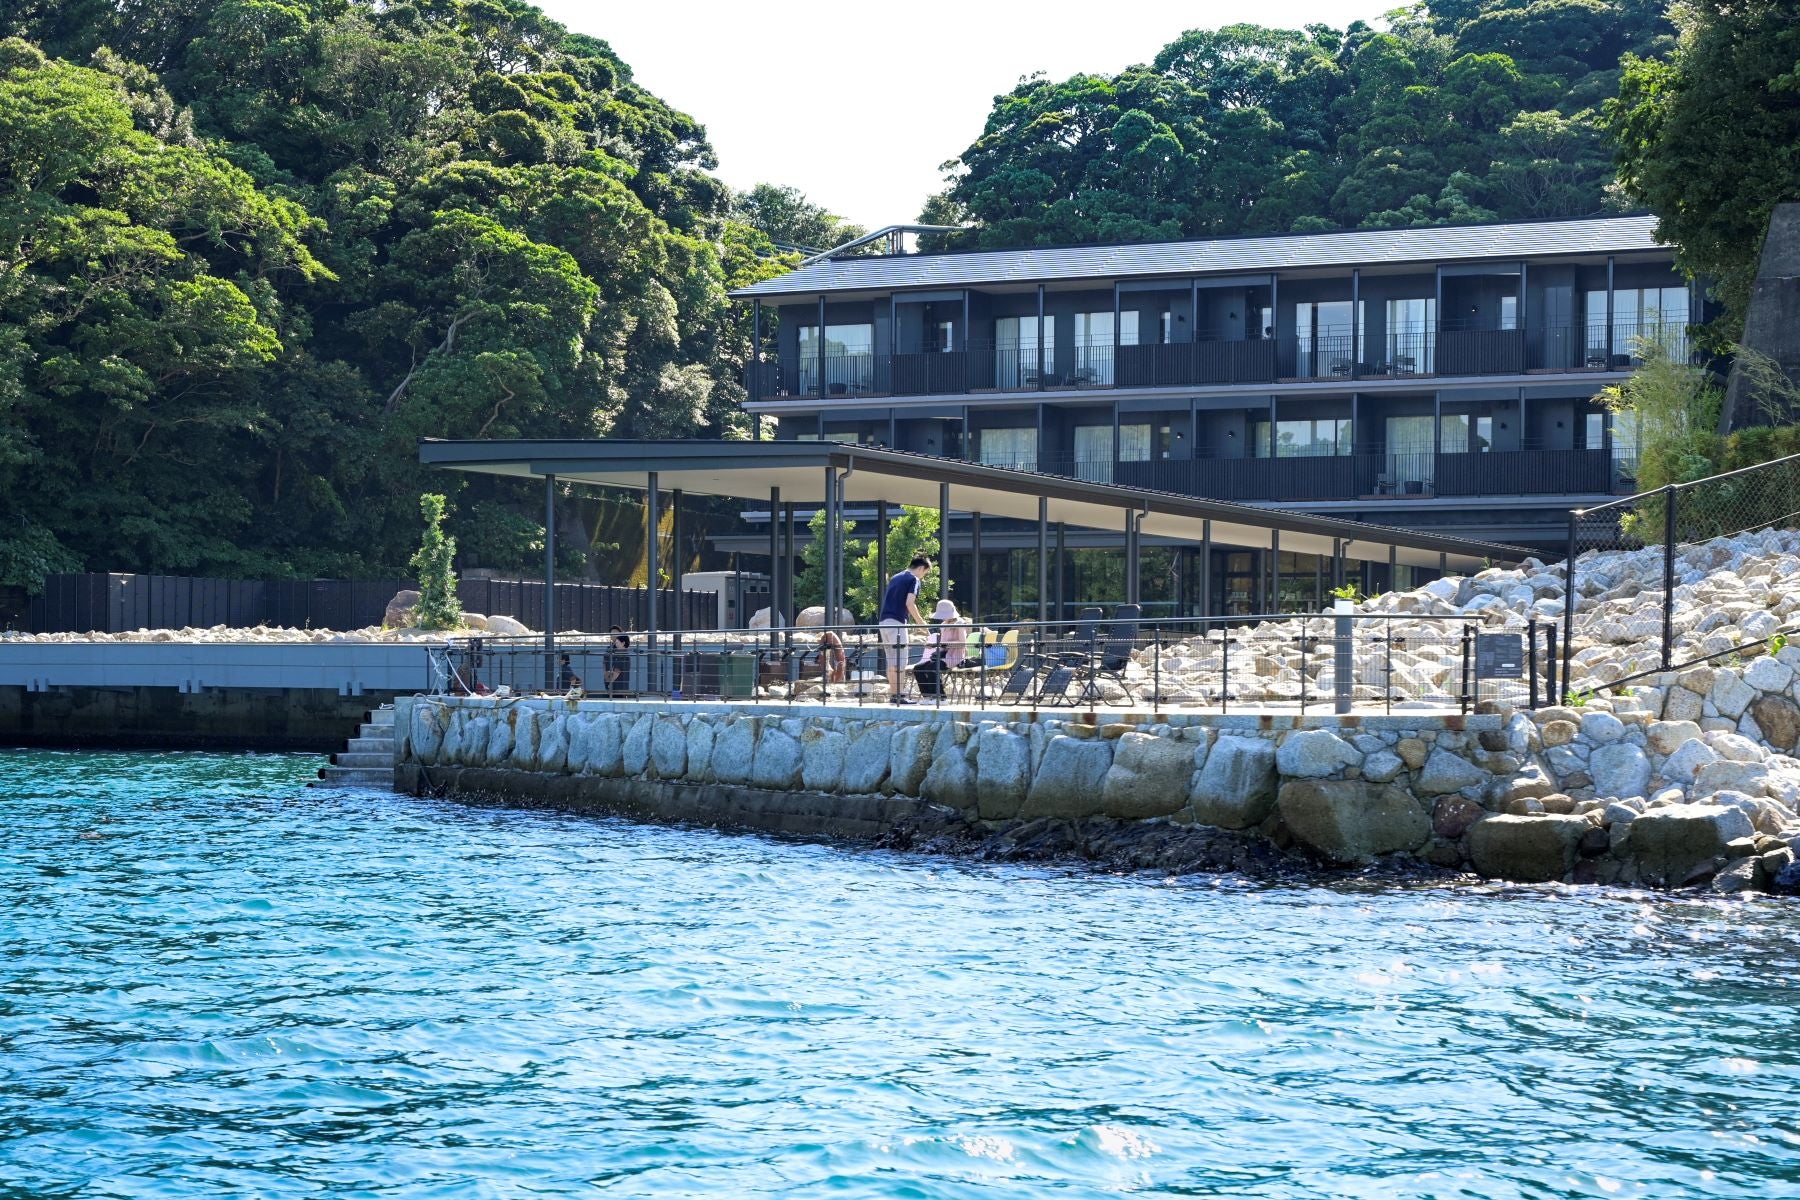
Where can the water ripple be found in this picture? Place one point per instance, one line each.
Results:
(217, 983)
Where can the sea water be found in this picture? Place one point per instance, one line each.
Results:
(215, 982)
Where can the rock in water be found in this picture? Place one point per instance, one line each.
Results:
(1527, 849)
(1350, 821)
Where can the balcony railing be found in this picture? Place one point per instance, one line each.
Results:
(1371, 473)
(1002, 366)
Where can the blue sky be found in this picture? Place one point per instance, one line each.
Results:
(858, 104)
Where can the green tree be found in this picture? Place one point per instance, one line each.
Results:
(434, 564)
(809, 582)
(913, 532)
(785, 216)
(1707, 137)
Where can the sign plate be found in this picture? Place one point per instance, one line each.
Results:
(1499, 656)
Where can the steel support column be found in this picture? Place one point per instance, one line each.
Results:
(975, 567)
(774, 565)
(1043, 574)
(881, 532)
(653, 593)
(1206, 554)
(1062, 554)
(549, 583)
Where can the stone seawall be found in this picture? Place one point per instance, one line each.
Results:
(1508, 796)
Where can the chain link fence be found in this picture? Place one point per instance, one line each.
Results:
(1629, 561)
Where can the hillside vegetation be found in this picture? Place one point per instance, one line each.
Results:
(255, 249)
(1460, 110)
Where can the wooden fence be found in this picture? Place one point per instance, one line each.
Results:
(113, 603)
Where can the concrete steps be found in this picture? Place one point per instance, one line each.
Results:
(367, 760)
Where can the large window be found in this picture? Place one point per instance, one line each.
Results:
(1312, 438)
(1411, 336)
(1016, 448)
(1409, 462)
(849, 359)
(1016, 351)
(1094, 453)
(1325, 336)
(1641, 316)
(1094, 345)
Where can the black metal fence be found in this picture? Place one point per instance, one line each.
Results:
(113, 603)
(1359, 663)
(1673, 520)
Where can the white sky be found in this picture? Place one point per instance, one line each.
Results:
(858, 104)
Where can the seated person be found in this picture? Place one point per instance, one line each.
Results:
(946, 645)
(828, 663)
(617, 675)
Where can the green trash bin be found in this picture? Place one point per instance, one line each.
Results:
(737, 675)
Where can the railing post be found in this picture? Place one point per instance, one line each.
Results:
(1668, 606)
(1224, 668)
(1468, 647)
(1343, 664)
(1305, 625)
(1531, 659)
(1568, 602)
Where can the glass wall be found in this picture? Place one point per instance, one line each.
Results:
(1411, 343)
(1640, 315)
(1016, 448)
(1016, 351)
(849, 359)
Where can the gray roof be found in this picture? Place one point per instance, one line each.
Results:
(1361, 247)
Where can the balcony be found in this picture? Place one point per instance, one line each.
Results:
(1367, 474)
(1011, 367)
(1378, 474)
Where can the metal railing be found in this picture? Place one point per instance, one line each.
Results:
(1004, 365)
(1298, 662)
(1678, 519)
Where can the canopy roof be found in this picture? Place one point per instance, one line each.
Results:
(749, 470)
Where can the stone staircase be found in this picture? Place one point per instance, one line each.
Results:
(367, 760)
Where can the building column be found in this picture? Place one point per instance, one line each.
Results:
(1275, 570)
(881, 532)
(679, 565)
(821, 353)
(1043, 547)
(1040, 337)
(943, 559)
(774, 565)
(1610, 348)
(975, 566)
(831, 540)
(1062, 554)
(550, 583)
(651, 519)
(1206, 555)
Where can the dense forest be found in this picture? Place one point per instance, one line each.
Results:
(255, 248)
(251, 250)
(1460, 110)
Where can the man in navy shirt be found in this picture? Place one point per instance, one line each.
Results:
(900, 608)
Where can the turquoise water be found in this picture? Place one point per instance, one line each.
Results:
(216, 983)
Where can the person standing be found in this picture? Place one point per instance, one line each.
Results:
(899, 611)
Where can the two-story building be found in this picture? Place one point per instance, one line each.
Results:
(1440, 378)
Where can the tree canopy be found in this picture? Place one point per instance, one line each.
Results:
(1462, 110)
(1709, 139)
(254, 249)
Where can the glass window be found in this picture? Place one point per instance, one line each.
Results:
(1312, 438)
(1166, 328)
(1325, 334)
(1016, 348)
(945, 340)
(1094, 453)
(1015, 448)
(1409, 461)
(1509, 312)
(1593, 431)
(1134, 443)
(1411, 328)
(1484, 434)
(1453, 434)
(1094, 345)
(849, 358)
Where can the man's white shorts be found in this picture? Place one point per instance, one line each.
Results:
(893, 639)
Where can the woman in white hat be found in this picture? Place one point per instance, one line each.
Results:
(951, 632)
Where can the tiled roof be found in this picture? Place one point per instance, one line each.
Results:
(1361, 247)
